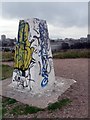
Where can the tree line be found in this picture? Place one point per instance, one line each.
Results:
(77, 45)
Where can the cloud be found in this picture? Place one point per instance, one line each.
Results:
(66, 14)
(9, 27)
(70, 32)
(63, 18)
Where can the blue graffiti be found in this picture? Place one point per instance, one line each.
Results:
(45, 75)
(43, 53)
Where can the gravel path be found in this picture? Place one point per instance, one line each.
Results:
(7, 63)
(78, 93)
(76, 69)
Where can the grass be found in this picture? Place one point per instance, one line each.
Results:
(6, 103)
(82, 53)
(11, 106)
(59, 104)
(7, 71)
(72, 53)
(4, 111)
(24, 110)
(9, 101)
(6, 56)
(15, 108)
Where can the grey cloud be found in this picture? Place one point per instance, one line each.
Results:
(66, 14)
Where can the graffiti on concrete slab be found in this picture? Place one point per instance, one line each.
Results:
(33, 59)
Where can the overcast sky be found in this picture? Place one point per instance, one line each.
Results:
(64, 19)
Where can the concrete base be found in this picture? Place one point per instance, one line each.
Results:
(41, 99)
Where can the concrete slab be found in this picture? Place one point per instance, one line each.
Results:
(41, 99)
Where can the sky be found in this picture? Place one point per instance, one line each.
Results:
(64, 19)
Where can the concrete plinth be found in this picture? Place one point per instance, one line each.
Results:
(40, 99)
(33, 64)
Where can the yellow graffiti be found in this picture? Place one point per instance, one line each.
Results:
(24, 51)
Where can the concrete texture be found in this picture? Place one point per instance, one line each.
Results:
(40, 100)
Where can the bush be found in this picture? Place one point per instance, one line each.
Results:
(72, 54)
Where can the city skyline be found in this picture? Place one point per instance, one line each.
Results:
(56, 39)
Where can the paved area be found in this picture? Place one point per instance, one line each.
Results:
(75, 69)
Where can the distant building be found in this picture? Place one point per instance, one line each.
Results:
(56, 44)
(88, 37)
(3, 37)
(7, 43)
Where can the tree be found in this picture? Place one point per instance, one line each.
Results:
(65, 46)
